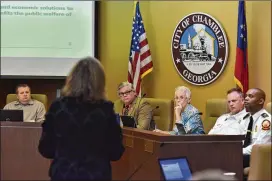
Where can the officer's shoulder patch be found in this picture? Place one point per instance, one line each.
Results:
(266, 125)
(264, 115)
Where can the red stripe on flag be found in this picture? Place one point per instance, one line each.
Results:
(129, 78)
(143, 43)
(241, 69)
(146, 67)
(138, 86)
(145, 55)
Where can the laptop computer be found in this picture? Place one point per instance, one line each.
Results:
(11, 115)
(175, 168)
(128, 121)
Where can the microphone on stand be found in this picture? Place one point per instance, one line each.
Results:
(152, 124)
(157, 107)
(143, 96)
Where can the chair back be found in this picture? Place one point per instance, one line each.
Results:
(163, 115)
(268, 107)
(260, 162)
(214, 109)
(39, 97)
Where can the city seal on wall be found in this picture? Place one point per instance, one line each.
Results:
(199, 48)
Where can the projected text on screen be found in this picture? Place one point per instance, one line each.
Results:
(46, 29)
(45, 38)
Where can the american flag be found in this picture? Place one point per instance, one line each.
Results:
(140, 62)
(241, 65)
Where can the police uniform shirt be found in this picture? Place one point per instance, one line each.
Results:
(229, 124)
(261, 130)
(34, 111)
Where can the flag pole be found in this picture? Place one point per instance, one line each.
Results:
(140, 61)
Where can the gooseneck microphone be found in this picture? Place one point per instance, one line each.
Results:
(157, 107)
(152, 123)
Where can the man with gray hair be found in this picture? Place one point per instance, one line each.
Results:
(188, 119)
(131, 105)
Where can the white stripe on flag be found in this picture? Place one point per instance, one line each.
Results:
(144, 49)
(142, 37)
(137, 73)
(146, 61)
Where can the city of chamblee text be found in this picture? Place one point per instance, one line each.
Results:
(213, 25)
(202, 20)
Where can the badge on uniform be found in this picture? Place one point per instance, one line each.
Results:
(266, 125)
(264, 115)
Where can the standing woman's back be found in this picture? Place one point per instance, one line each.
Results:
(80, 132)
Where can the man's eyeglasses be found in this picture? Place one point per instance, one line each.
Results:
(124, 93)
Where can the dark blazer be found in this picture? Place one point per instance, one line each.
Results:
(81, 137)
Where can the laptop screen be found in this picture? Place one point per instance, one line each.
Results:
(175, 169)
(11, 115)
(128, 121)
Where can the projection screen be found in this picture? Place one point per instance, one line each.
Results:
(45, 38)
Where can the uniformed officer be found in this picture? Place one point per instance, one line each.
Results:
(232, 123)
(259, 122)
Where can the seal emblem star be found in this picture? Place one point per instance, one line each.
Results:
(178, 60)
(220, 60)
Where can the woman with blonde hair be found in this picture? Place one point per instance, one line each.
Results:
(80, 132)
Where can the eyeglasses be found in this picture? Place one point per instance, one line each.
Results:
(180, 98)
(124, 93)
